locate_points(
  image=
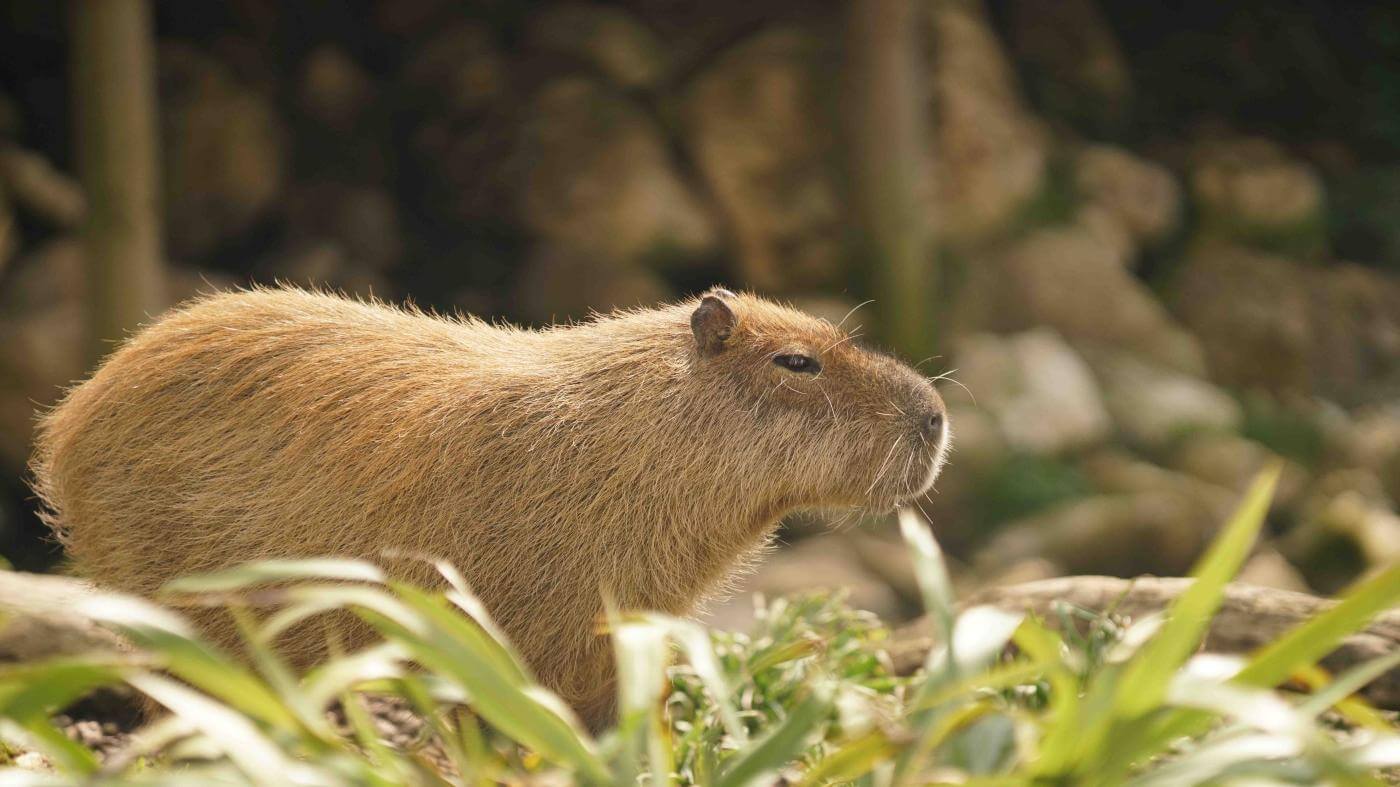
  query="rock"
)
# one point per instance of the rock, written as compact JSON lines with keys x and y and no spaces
{"x":35,"y":185}
{"x":1250,"y":190}
{"x":33,"y":761}
{"x":1072,"y":61}
{"x":1161,"y":531}
{"x":333,"y":88}
{"x":1375,"y":444}
{"x":1346,"y":525}
{"x":362,"y":221}
{"x":1141,"y":196}
{"x":1285,"y":326}
{"x":1039,"y":391}
{"x":1362,"y":203}
{"x":990,"y":152}
{"x":559,"y":285}
{"x":1232,"y":462}
{"x":1068,"y":280}
{"x":1267,"y":568}
{"x":1153,"y":405}
{"x":606,"y":37}
{"x":976,"y":434}
{"x":222,"y":151}
{"x":767,"y":152}
{"x":1252,"y":314}
{"x":324,"y":264}
{"x":1352,"y":505}
{"x":460,"y":67}
{"x":1114,"y":471}
{"x":818,"y":563}
{"x":596,"y":178}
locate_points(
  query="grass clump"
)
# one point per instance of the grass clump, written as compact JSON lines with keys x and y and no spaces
{"x":808,"y":697}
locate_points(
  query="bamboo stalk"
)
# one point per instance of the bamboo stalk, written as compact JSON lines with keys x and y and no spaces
{"x":113,"y":72}
{"x":887,"y":154}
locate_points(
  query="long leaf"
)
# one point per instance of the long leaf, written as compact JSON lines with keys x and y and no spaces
{"x":496,"y":693}
{"x":1150,"y":670}
{"x":265,"y":571}
{"x":1320,"y":635}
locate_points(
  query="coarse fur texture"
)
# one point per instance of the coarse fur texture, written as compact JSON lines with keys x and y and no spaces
{"x":642,"y":454}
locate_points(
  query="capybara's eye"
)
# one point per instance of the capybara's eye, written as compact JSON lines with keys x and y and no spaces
{"x":798,"y":363}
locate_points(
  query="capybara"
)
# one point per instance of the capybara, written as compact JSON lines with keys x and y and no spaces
{"x":641,"y":455}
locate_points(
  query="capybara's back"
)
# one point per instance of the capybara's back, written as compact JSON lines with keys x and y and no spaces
{"x":639,"y":455}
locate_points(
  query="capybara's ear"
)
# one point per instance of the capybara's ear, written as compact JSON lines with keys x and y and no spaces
{"x":713,"y":324}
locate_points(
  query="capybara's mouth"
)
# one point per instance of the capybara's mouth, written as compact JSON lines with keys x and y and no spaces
{"x":927,"y":465}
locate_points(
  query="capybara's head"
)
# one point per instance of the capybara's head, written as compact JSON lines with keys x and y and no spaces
{"x":852,"y":426}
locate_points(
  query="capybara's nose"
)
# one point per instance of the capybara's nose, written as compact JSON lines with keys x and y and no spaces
{"x":931,"y":426}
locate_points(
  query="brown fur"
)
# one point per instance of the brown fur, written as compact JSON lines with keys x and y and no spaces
{"x":633,"y":454}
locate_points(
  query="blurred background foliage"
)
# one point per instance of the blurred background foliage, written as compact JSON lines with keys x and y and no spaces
{"x":1157,"y":242}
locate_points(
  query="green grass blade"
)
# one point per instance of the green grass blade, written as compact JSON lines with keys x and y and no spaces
{"x":467,"y":632}
{"x":931,"y":571}
{"x":1320,"y":635}
{"x":170,"y":639}
{"x":1145,"y":683}
{"x":496,"y":693}
{"x":695,"y":643}
{"x":233,"y":733}
{"x":764,"y":757}
{"x":1348,"y":683}
{"x":329,"y":680}
{"x":853,"y":760}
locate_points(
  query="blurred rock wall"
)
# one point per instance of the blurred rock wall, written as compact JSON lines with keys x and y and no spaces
{"x":1154,"y":282}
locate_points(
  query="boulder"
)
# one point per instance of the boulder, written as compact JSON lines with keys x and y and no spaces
{"x":42,"y":190}
{"x":606,"y":37}
{"x":324,"y":264}
{"x":362,"y":220}
{"x":1286,"y":326}
{"x":1067,"y":279}
{"x":557,"y":285}
{"x":1153,"y":405}
{"x":460,"y":68}
{"x":1250,"y":190}
{"x":223,"y":151}
{"x":1037,"y":388}
{"x":333,"y":88}
{"x":596,"y":177}
{"x":989,"y":150}
{"x":1268,"y":568}
{"x":1230,"y":461}
{"x":1157,"y":531}
{"x":1375,"y":444}
{"x":755,"y":129}
{"x":1141,"y":196}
